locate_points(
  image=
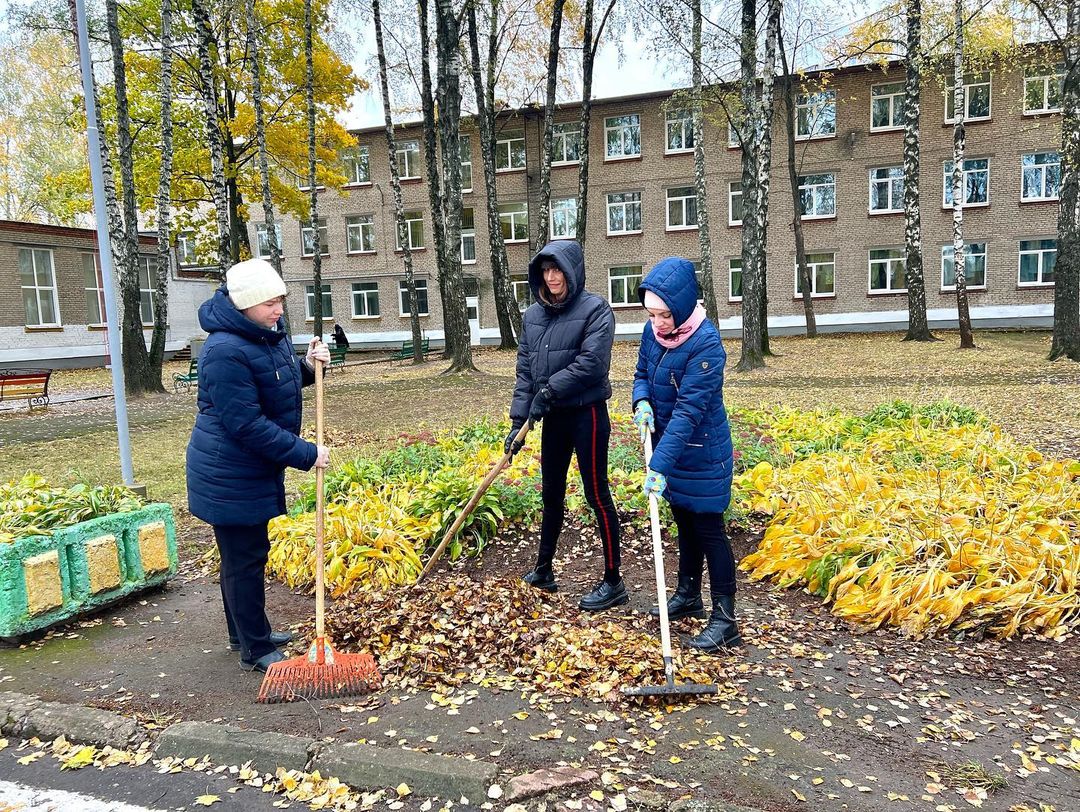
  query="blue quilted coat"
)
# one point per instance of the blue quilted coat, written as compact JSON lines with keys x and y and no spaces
{"x":246,"y":431}
{"x":692,"y":443}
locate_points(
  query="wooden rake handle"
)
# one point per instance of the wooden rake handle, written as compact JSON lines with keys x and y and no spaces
{"x":480,"y":491}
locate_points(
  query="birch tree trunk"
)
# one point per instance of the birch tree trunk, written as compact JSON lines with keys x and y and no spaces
{"x":215,"y":138}
{"x":763,"y":141}
{"x":590,"y":42}
{"x":395,"y":185}
{"x":506,"y":307}
{"x":918,"y":327}
{"x":164,"y":197}
{"x":542,"y":229}
{"x":1065,"y":342}
{"x":962,"y":313}
{"x":708,"y":289}
{"x":313,"y":218}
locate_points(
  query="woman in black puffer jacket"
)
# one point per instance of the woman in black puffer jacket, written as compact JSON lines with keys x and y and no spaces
{"x":564,"y":355}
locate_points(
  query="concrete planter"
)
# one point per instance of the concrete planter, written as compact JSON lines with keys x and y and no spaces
{"x":45,"y":580}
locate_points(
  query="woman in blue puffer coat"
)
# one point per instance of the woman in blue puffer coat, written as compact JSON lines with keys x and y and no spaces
{"x":246,"y":434}
{"x":678,"y":394}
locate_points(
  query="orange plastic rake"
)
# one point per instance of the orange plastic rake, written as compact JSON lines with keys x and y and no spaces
{"x":322,"y":673}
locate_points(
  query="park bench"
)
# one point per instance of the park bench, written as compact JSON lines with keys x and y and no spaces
{"x":32,"y":384}
{"x":184,"y":380}
{"x":406,"y":351}
{"x":337,"y":358}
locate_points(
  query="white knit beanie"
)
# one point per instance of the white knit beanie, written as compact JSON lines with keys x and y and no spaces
{"x":654,"y":302}
{"x":253,"y":282}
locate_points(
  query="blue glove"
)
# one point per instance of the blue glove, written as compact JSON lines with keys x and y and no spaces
{"x":644,"y":419}
{"x":655,"y":483}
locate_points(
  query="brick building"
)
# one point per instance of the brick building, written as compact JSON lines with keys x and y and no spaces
{"x":642,"y":207}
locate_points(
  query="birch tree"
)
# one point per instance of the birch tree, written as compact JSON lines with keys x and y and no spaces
{"x":541,"y":235}
{"x":763,"y":146}
{"x":958,"y":191}
{"x":164,"y":201}
{"x":708,"y":291}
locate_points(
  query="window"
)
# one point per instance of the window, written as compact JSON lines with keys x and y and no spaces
{"x":408,"y":160}
{"x":514,"y":219}
{"x":975,"y":182}
{"x":734,"y":197}
{"x":1037,"y":261}
{"x":360,"y":233}
{"x":624,"y":213}
{"x":185,"y":248}
{"x":697,"y":279}
{"x":887,"y":269}
{"x":822,"y":268}
{"x":976,"y":97}
{"x":468,"y":237}
{"x":307,"y":239}
{"x":262,"y":244}
{"x":522,"y":292}
{"x":622,"y":137}
{"x":365,"y":300}
{"x":887,"y":189}
{"x":815,"y":114}
{"x":465,"y":150}
{"x":1043,"y":89}
{"x":974,"y":266}
{"x":732,"y":136}
{"x":414,"y":225}
{"x":887,"y":106}
{"x":681,"y":208}
{"x":356,"y":165}
{"x":147,"y":288}
{"x":95,"y":290}
{"x":680,"y":131}
{"x":38,"y":287}
{"x":623,"y":281}
{"x":309,"y":302}
{"x":472,"y":298}
{"x":564,"y":219}
{"x":735,"y":279}
{"x":1041,"y":176}
{"x":817,"y":195}
{"x":510,"y":152}
{"x":421,"y":297}
{"x":566,"y":143}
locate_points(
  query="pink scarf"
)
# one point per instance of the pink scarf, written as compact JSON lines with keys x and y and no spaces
{"x":683,"y":331}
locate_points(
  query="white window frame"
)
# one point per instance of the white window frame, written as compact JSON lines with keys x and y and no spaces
{"x":97,"y":291}
{"x":967,"y":254}
{"x":352,"y":164}
{"x":683,"y":121}
{"x":685,"y":208}
{"x":402,"y":152}
{"x":358,"y":224}
{"x":185,"y":247}
{"x":895,"y":102}
{"x":624,"y":278}
{"x":563,"y":135}
{"x":971,"y":81}
{"x":733,"y":136}
{"x":946,"y":174}
{"x":814,"y":189}
{"x":365,"y":295}
{"x":324,"y":242}
{"x":888,"y":263}
{"x":505,"y":144}
{"x":411,"y":219}
{"x":731,"y":278}
{"x":468,"y":234}
{"x":260,"y":235}
{"x":465,"y":150}
{"x":309,"y":302}
{"x":624,"y":138}
{"x":515,"y":217}
{"x":1045,"y":80}
{"x":812,"y":267}
{"x":1041,"y":169}
{"x":567,"y":207}
{"x":403,"y":298}
{"x":895,"y":206}
{"x":734,"y":191}
{"x":39,"y":288}
{"x":519,"y":283}
{"x":1041,"y":253}
{"x":812,"y":104}
{"x":147,"y":288}
{"x":626,"y":206}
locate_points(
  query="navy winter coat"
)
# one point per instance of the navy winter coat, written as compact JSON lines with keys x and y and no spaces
{"x":692,"y":443}
{"x":565,"y":346}
{"x":246,"y":432}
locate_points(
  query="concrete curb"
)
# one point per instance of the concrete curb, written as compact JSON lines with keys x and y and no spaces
{"x":223,"y":744}
{"x":26,"y":715}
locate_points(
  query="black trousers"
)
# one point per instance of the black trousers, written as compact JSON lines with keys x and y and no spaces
{"x":703,"y":539}
{"x":586,"y":432}
{"x":244,"y":550}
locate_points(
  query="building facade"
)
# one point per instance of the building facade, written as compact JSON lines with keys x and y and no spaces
{"x":643,"y":207}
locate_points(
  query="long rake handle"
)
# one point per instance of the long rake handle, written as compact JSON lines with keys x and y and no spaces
{"x":320,"y":518}
{"x":661,"y":582}
{"x":480,"y":491}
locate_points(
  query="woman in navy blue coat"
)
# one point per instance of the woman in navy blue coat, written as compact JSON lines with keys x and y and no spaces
{"x":246,"y":434}
{"x":678,"y":393}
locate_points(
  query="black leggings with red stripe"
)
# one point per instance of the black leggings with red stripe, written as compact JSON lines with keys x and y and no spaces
{"x":584,"y":431}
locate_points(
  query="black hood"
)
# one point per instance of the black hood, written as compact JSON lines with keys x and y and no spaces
{"x":571,"y":261}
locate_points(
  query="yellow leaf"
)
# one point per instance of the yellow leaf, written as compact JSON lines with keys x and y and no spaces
{"x":596,"y":795}
{"x":522,"y":715}
{"x":207,"y":800}
{"x":403,"y":790}
{"x":31,"y":758}
{"x":81,"y":759}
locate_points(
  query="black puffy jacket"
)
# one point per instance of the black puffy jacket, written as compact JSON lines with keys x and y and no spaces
{"x":564,"y":346}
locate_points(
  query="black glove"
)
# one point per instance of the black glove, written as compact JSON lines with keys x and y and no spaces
{"x":541,"y":404}
{"x":512,"y":445}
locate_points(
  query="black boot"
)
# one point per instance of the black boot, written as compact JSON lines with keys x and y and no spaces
{"x":686,"y":602}
{"x":604,"y":596}
{"x":721,"y":631}
{"x":541,"y":577}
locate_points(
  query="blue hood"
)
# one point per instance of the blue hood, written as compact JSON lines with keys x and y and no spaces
{"x":219,"y":315}
{"x":673,"y":280}
{"x":567,"y":255}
